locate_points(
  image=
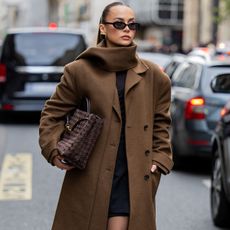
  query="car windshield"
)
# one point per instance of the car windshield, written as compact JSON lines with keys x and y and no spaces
{"x":38,"y":49}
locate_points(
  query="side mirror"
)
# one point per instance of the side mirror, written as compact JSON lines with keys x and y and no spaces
{"x":221,"y":84}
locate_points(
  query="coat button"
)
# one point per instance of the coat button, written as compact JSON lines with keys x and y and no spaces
{"x":146,"y":127}
{"x":146,"y":177}
{"x":147,"y":152}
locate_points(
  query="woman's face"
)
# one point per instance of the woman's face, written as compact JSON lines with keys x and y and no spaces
{"x":118,"y":37}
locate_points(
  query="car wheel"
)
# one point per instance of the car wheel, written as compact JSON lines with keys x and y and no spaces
{"x":220,"y":207}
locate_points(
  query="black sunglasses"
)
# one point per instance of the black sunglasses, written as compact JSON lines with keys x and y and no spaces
{"x":122,"y":25}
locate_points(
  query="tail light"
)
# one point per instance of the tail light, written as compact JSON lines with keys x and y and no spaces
{"x":223,"y":112}
{"x":195,"y":108}
{"x":7,"y":107}
{"x":53,"y":26}
{"x":2,"y":73}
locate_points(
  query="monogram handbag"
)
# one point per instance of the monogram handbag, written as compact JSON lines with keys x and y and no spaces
{"x":82,"y":130}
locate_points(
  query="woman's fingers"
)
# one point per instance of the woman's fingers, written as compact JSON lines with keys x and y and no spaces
{"x":153,"y":168}
{"x":58,"y":163}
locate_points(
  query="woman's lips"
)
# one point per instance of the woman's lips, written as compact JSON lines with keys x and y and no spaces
{"x":126,"y":37}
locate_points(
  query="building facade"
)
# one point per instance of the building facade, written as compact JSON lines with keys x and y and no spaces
{"x":22,"y":13}
{"x":198,"y":23}
{"x":167,"y":25}
{"x":162,"y":22}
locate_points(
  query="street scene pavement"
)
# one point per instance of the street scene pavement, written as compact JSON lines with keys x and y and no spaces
{"x":182,"y":199}
{"x":188,"y":40}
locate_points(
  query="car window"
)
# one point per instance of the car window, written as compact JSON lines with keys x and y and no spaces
{"x":187,"y":76}
{"x":170,"y":68}
{"x":210,"y":74}
{"x":221,"y":83}
{"x":43,"y":48}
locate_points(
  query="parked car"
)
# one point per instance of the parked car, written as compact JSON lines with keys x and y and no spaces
{"x":158,"y":58}
{"x":32,"y":62}
{"x":220,"y":179}
{"x":196,"y":105}
{"x":175,"y":61}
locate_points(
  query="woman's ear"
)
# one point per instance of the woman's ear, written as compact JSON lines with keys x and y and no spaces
{"x":102,"y":29}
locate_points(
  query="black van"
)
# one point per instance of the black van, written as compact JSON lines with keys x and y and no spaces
{"x":31,"y":64}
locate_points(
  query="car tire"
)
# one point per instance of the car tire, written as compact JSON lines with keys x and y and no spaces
{"x":220,"y":207}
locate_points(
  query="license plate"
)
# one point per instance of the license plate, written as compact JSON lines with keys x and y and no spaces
{"x":40,"y":88}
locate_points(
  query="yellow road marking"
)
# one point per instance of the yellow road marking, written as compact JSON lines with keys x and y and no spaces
{"x":16,"y":177}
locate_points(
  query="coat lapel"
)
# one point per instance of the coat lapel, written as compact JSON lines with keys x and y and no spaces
{"x":116,"y":104}
{"x":132,"y":79}
{"x":133,"y":75}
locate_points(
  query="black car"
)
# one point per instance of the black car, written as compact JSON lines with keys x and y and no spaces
{"x":196,"y":105}
{"x":31,"y":64}
{"x":220,"y":180}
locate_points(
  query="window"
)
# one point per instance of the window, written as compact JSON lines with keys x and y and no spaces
{"x":170,"y":69}
{"x":187,"y":76}
{"x":171,"y":9}
{"x":43,"y":49}
{"x":221,"y":83}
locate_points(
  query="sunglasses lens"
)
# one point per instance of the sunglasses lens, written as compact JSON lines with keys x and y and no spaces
{"x":119,"y":25}
{"x":133,"y":26}
{"x":122,"y":25}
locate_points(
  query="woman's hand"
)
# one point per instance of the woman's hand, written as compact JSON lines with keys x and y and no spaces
{"x":58,"y":163}
{"x":153,"y":168}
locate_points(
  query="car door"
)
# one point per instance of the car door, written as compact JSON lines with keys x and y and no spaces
{"x":215,"y":99}
{"x":185,"y":86}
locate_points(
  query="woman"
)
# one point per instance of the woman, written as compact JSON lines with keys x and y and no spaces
{"x":117,"y":189}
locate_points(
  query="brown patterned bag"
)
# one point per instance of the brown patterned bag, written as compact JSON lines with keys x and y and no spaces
{"x":77,"y":142}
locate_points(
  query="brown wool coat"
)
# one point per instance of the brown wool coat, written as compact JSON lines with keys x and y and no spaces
{"x":84,"y":199}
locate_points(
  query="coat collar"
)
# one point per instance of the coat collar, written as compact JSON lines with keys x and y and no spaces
{"x":141,"y":67}
{"x":115,"y":58}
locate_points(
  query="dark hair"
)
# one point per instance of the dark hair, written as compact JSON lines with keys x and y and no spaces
{"x":105,"y":12}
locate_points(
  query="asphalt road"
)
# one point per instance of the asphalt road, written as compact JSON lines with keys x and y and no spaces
{"x":183,"y":201}
{"x":182,"y":198}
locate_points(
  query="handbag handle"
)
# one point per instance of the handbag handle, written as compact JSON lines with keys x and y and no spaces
{"x":87,"y":104}
{"x":67,"y":125}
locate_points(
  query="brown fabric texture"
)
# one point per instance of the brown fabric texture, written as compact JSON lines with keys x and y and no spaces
{"x":111,"y":59}
{"x":85,"y":194}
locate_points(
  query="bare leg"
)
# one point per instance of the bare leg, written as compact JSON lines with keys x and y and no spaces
{"x":118,"y":223}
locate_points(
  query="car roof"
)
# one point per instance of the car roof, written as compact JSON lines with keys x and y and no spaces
{"x":58,"y":30}
{"x":44,"y":30}
{"x":208,"y":61}
{"x":160,"y":59}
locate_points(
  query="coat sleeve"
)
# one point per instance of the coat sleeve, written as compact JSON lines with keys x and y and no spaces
{"x":65,"y":98}
{"x":162,"y":151}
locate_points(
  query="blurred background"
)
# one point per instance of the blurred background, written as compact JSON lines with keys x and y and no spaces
{"x":168,"y":25}
{"x":188,"y":39}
